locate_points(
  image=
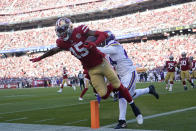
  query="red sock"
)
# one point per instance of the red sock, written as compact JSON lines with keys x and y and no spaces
{"x":61,"y":86}
{"x":109,"y":90}
{"x":125,"y":93}
{"x":184,"y":83}
{"x":69,"y":85}
{"x":83,"y":92}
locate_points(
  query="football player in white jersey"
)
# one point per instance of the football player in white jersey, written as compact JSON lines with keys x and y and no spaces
{"x":127,"y":74}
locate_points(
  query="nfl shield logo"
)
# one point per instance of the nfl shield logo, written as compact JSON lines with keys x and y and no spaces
{"x":78,"y":36}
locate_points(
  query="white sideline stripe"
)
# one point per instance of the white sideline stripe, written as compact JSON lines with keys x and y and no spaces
{"x":45,"y":108}
{"x":38,"y":127}
{"x":45,"y":120}
{"x":5,"y":104}
{"x":18,"y":95}
{"x":76,"y":121}
{"x":156,"y":115}
{"x":17,"y":119}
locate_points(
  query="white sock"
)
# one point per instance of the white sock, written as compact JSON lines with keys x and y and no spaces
{"x":122,"y":109}
{"x":140,"y":92}
{"x":171,"y":85}
{"x":74,"y":88}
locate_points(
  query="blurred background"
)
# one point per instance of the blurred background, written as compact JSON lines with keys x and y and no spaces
{"x":150,"y":31}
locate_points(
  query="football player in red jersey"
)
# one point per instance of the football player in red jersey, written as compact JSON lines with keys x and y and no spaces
{"x":193,"y":69}
{"x":74,"y":40}
{"x":170,"y":66}
{"x":65,"y":80}
{"x":87,"y":82}
{"x":185,"y":66}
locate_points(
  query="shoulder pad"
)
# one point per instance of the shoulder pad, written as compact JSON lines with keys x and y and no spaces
{"x":112,"y":43}
{"x":84,"y":28}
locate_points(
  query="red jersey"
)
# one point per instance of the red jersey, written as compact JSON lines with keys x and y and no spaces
{"x":170,"y":65}
{"x":193,"y":64}
{"x":65,"y":74}
{"x":75,"y":44}
{"x":184,"y":64}
{"x":86,"y":75}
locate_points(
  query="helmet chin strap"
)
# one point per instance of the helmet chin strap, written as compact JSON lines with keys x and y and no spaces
{"x":68,"y":35}
{"x":66,"y":38}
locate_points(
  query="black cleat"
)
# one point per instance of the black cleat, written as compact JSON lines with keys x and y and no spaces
{"x":193,"y":86}
{"x":121,"y":124}
{"x":153,"y":91}
{"x":185,"y":88}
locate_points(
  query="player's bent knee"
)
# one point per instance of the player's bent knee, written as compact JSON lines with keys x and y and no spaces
{"x":116,"y":85}
{"x":101,"y":93}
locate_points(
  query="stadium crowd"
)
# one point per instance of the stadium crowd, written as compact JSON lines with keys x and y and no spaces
{"x":178,"y":15}
{"x":29,"y":10}
{"x":150,"y":54}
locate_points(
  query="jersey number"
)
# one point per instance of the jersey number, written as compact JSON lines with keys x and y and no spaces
{"x":80,"y":52}
{"x":183,"y":63}
{"x":170,"y":66}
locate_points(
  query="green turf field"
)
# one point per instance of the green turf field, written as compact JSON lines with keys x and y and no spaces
{"x":46,"y":106}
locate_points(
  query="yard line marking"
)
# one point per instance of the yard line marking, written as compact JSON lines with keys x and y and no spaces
{"x":155,"y":115}
{"x":76,"y":121}
{"x":45,"y":120}
{"x":45,"y":108}
{"x":17,"y":95}
{"x":5,"y":104}
{"x":17,"y":119}
{"x":38,"y":127}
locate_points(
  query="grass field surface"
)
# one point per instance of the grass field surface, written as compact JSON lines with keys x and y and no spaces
{"x":174,"y":110}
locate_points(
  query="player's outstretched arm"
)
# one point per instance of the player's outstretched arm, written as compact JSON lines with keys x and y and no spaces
{"x":101,"y":36}
{"x":47,"y":54}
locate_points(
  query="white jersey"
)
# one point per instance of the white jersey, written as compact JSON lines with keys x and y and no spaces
{"x":118,"y":58}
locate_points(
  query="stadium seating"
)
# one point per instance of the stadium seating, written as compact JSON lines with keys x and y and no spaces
{"x":150,"y":54}
{"x":25,"y":10}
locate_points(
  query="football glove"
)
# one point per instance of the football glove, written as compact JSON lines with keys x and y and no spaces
{"x":89,"y":45}
{"x":35,"y":59}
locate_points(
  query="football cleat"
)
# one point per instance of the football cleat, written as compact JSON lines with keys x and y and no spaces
{"x":98,"y":98}
{"x":80,"y":99}
{"x":170,"y":89}
{"x":185,"y":88}
{"x":139,"y":119}
{"x":121,"y":124}
{"x":192,"y":85}
{"x":60,"y":90}
{"x":153,"y":91}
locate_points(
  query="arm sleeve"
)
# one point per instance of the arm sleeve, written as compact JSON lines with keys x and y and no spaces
{"x":101,"y":37}
{"x":107,"y":50}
